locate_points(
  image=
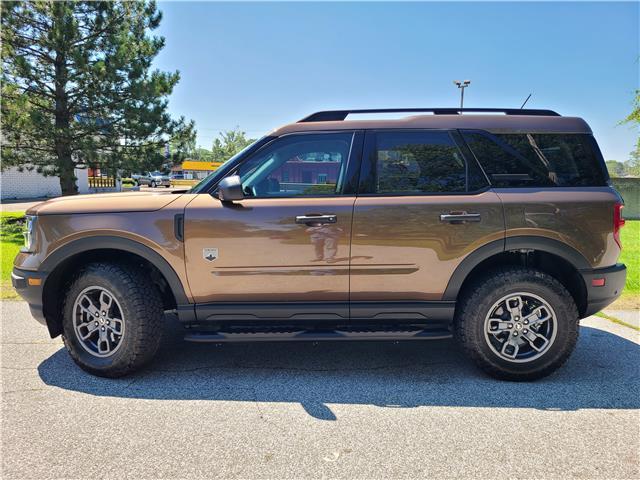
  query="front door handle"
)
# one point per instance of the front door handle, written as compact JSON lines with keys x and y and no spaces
{"x":460,"y":217}
{"x":316,"y":219}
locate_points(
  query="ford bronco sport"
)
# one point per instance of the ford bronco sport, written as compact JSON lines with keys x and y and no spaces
{"x":497,"y":226}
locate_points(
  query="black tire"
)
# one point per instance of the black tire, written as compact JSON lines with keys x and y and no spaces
{"x":476,"y":303}
{"x":153,"y":184}
{"x":167,"y":186}
{"x":142,"y":312}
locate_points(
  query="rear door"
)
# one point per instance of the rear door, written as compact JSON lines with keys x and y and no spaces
{"x":552,"y":185}
{"x":422,"y":207}
{"x":283,"y":251}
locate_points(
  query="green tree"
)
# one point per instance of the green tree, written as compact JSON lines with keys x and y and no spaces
{"x":229,"y":143}
{"x":77,"y":86}
{"x":202,"y":154}
{"x":181,"y":147}
{"x":633,"y":167}
{"x":616,"y":169}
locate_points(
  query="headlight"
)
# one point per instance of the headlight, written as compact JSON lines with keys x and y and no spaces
{"x":29,"y":233}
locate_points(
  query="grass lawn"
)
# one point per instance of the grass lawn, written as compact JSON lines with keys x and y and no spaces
{"x":10,"y":242}
{"x":630,"y":236}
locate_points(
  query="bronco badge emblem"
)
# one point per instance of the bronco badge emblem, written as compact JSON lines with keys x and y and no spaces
{"x":210,"y":254}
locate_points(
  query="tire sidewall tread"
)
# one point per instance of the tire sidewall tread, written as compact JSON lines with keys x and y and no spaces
{"x":485,"y":291}
{"x":142,"y":310}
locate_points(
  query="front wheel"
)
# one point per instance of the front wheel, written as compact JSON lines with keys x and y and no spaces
{"x":153,"y":184}
{"x":112,"y":321}
{"x":517,"y":323}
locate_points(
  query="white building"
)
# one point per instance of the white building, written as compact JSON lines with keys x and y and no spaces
{"x":16,"y":184}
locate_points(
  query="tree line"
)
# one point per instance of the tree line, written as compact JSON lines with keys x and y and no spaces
{"x":224,"y":147}
{"x":632,"y":166}
{"x":78,"y":88}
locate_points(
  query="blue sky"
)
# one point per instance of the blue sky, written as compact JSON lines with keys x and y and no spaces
{"x":259,"y":65}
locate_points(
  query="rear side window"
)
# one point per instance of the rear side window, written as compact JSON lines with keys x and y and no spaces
{"x":418,"y":162}
{"x":537,"y":159}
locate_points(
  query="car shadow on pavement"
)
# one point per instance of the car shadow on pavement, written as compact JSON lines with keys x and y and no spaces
{"x":603,"y":373}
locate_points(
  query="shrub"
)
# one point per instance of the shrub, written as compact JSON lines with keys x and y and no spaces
{"x":12,"y":226}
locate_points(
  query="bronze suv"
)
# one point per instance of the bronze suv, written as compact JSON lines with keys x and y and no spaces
{"x":497,"y":226}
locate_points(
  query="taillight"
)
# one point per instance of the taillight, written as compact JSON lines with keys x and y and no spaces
{"x":618,"y":222}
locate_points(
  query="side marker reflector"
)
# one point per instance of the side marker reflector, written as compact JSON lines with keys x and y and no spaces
{"x":34,"y":282}
{"x":598,"y":282}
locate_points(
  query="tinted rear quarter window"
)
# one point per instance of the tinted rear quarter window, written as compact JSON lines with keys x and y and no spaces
{"x":418,"y":162}
{"x":537,"y":159}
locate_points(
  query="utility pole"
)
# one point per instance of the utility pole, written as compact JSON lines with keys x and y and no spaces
{"x":462,"y":85}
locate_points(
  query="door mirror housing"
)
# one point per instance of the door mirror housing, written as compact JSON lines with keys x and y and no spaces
{"x":230,"y":189}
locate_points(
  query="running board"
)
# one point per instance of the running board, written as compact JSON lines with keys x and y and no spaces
{"x":317,"y":336}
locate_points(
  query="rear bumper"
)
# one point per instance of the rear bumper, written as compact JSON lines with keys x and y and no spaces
{"x":29,"y":286}
{"x":598,"y":297}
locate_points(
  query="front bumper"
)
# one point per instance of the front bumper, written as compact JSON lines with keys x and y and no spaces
{"x":598,"y":297}
{"x":29,"y":285}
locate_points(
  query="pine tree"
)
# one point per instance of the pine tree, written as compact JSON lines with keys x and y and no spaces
{"x":77,"y":86}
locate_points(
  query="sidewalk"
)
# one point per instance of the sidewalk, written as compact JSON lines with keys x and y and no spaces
{"x":20,"y":205}
{"x":630,"y":317}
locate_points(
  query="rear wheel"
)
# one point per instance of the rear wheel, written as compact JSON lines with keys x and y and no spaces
{"x":517,"y":323}
{"x":112,"y":321}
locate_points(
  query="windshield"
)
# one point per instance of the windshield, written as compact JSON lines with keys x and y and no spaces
{"x":156,"y":174}
{"x":222,"y":170}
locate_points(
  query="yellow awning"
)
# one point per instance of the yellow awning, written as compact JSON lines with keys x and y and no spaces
{"x":202,"y":166}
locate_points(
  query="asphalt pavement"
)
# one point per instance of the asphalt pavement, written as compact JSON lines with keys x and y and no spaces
{"x":332,"y":410}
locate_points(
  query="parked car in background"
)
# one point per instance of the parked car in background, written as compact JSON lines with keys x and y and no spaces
{"x":500,"y":229}
{"x":177,"y":176}
{"x":155,"y":179}
{"x":136,"y":177}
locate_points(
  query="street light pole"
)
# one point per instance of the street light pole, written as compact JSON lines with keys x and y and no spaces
{"x":462,"y":85}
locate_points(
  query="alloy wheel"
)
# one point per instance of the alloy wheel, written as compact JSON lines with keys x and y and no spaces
{"x":520,"y":327}
{"x":98,"y":321}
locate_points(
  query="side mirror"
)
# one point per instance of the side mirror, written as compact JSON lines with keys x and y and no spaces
{"x":230,"y":189}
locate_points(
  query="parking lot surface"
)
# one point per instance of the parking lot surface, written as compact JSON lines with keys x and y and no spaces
{"x":338,"y":410}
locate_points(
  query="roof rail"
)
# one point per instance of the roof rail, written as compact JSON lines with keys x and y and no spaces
{"x":340,"y":115}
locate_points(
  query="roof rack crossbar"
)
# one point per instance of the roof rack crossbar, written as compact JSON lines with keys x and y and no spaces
{"x":340,"y":115}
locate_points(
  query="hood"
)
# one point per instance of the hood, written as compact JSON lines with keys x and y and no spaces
{"x":105,"y":203}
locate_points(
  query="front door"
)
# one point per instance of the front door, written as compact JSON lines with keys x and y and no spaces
{"x":283,"y":251}
{"x":421,"y":209}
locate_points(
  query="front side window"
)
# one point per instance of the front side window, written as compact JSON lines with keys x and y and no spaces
{"x":298,"y":165}
{"x":537,"y":159}
{"x":227,"y":165}
{"x":418,"y":162}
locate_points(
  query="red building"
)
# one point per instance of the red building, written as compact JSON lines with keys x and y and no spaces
{"x":307,"y":172}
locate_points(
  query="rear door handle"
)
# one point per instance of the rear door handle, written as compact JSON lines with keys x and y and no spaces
{"x":460,"y":217}
{"x":316,"y":219}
